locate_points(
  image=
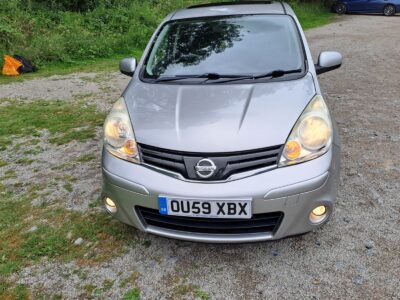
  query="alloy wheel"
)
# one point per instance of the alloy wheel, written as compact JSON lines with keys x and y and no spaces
{"x":340,"y":9}
{"x":389,"y":10}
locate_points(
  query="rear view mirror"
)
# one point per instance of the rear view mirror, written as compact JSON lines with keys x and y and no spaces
{"x":328,"y":61}
{"x":127,"y":66}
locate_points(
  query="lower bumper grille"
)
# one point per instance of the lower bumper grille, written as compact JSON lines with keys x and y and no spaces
{"x":259,"y":223}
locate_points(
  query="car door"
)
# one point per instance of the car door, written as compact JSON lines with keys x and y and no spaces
{"x":377,"y":6}
{"x":360,"y":5}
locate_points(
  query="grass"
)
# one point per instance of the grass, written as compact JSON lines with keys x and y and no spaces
{"x":13,"y":291}
{"x":64,"y":68}
{"x":54,"y":38}
{"x":35,"y":151}
{"x":8,"y":175}
{"x":68,"y":187}
{"x":2,"y":163}
{"x":130,"y":280}
{"x":133,"y":294}
{"x":107,"y":284}
{"x":201,"y":294}
{"x":312,"y":14}
{"x":89,"y":288}
{"x":87,"y":158}
{"x":181,"y":289}
{"x":104,"y":237}
{"x":24,"y":161}
{"x":65,"y":121}
{"x":110,"y":34}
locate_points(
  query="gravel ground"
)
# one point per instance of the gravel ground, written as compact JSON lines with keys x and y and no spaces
{"x":356,"y":255}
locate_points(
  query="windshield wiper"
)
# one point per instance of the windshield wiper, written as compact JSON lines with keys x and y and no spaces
{"x":273,"y":74}
{"x":211,"y":76}
{"x":207,"y":76}
{"x":228,"y":78}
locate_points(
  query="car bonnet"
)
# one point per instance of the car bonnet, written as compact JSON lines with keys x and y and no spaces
{"x":214,"y":118}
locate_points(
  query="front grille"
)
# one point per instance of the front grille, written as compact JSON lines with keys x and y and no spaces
{"x":259,"y":223}
{"x":226,"y":164}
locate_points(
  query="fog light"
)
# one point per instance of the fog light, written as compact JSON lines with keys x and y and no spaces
{"x":319,"y":211}
{"x":319,"y":214}
{"x":110,"y":205}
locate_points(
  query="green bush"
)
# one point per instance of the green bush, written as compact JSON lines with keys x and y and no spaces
{"x":74,"y":30}
{"x":326,"y":3}
{"x":72,"y":5}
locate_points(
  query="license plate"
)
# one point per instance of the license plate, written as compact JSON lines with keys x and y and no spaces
{"x":206,"y":208}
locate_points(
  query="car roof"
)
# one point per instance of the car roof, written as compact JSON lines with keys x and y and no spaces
{"x":231,"y":8}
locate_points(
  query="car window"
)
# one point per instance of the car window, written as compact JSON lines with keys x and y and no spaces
{"x":248,"y":45}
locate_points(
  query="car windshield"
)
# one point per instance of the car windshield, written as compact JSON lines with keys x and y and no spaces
{"x":244,"y":45}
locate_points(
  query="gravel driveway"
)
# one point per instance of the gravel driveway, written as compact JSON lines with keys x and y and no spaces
{"x":356,"y":255}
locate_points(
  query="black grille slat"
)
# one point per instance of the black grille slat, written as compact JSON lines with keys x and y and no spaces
{"x":256,"y":217}
{"x":254,"y":156}
{"x":248,"y":164}
{"x":265,"y":223}
{"x":167,"y":163}
{"x":157,"y":154}
{"x":217,"y":225}
{"x":258,"y":158}
{"x":227,"y":163}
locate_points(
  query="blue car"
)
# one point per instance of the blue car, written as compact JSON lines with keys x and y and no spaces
{"x":386,"y":7}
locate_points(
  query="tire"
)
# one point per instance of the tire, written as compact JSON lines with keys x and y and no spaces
{"x":340,"y":8}
{"x":389,"y":10}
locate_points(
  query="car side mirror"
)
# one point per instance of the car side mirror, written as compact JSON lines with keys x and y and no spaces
{"x":328,"y":61}
{"x":127,"y":66}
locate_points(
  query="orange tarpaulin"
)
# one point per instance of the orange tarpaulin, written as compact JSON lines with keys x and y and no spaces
{"x":11,"y":66}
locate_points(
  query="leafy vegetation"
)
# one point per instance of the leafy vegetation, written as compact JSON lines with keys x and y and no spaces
{"x":95,"y":34}
{"x":66,"y":122}
{"x":24,"y":237}
{"x":2,"y":163}
{"x":9,"y":291}
{"x":312,"y":14}
{"x":22,"y":243}
{"x":133,"y":294}
{"x":201,"y":294}
{"x":55,"y":31}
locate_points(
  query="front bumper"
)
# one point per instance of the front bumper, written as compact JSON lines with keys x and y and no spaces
{"x":293,"y":190}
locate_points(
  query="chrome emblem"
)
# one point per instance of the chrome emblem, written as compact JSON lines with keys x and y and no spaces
{"x":205,"y":168}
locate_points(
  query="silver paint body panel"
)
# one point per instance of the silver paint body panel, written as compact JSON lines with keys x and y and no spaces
{"x":228,"y":10}
{"x":217,"y":118}
{"x":294,"y":190}
{"x":223,"y":118}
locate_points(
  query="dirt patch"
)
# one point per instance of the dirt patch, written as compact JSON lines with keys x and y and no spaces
{"x":69,"y":173}
{"x":101,"y":89}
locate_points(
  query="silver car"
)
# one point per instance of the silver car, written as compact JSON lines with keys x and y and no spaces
{"x":223,"y":134}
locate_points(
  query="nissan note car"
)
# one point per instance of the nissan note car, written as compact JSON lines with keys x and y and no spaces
{"x":223,"y":134}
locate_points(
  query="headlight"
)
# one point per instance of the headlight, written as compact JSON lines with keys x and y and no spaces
{"x":311,"y":137}
{"x":119,"y":139}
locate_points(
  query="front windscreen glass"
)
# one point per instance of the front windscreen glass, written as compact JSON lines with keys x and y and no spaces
{"x":245,"y":45}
